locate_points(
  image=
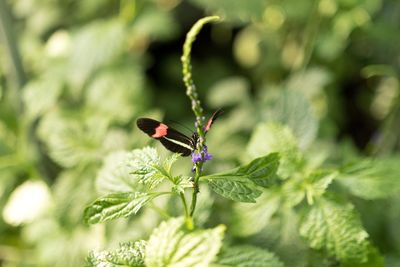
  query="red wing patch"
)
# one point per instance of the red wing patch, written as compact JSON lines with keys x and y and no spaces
{"x":208,"y":125}
{"x":161,"y":131}
{"x":212,"y":119}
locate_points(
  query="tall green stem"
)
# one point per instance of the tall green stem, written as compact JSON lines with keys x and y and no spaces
{"x":191,"y":92}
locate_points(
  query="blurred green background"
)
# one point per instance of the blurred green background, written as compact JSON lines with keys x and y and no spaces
{"x":75,"y":75}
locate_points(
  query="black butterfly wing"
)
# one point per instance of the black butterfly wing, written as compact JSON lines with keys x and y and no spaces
{"x":178,"y":142}
{"x":171,"y":139}
{"x":148,"y":126}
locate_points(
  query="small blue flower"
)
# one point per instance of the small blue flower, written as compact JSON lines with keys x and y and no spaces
{"x":196,"y":157}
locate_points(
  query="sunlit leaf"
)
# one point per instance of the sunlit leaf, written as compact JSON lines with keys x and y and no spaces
{"x":128,"y":254}
{"x":142,"y":165}
{"x":71,"y":142}
{"x":116,"y":205}
{"x":114,"y":175}
{"x":94,"y":45}
{"x":171,"y":245}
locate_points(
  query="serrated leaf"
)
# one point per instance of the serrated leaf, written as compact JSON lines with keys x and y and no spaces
{"x":271,"y":137}
{"x":337,"y":229}
{"x":128,"y":254}
{"x":240,"y":184}
{"x":169,"y":161}
{"x":262,"y":171}
{"x":114,"y":177}
{"x":116,"y":205}
{"x":142,"y":165}
{"x":171,"y":245}
{"x":237,"y":188}
{"x":247,"y":256}
{"x":372,"y":179}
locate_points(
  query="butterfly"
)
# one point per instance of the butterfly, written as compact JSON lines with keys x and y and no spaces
{"x":172,"y":139}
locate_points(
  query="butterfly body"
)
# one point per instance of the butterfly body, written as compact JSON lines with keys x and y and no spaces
{"x":172,"y":139}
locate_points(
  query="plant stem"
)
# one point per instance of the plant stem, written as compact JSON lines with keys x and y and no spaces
{"x":199,"y":165}
{"x":188,"y":217}
{"x":196,"y":105}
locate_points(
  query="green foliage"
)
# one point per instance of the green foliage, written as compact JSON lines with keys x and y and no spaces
{"x":170,"y":245}
{"x":259,"y":214}
{"x":372,"y":179}
{"x":292,"y":109}
{"x":271,"y":137}
{"x":107,"y":36}
{"x":240,"y":184}
{"x":142,"y":166}
{"x":131,"y":177}
{"x":114,"y":175}
{"x":336,"y":228}
{"x":75,"y":76}
{"x":116,"y":205}
{"x":128,"y":254}
{"x":246,"y":256}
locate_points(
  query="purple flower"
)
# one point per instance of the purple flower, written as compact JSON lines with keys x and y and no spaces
{"x":196,"y":157}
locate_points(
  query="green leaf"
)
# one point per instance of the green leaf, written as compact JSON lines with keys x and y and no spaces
{"x":154,"y":23}
{"x":372,"y":179}
{"x":70,"y":140}
{"x":249,"y":219}
{"x":317,"y":183}
{"x":293,"y":110}
{"x":142,"y":164}
{"x":128,"y":254}
{"x":241,"y":184}
{"x":180,"y":183}
{"x":95,"y":45}
{"x":114,"y":177}
{"x":337,"y":229}
{"x":247,"y":256}
{"x":41,"y":95}
{"x":169,"y":161}
{"x":237,"y":188}
{"x":122,"y":87}
{"x":262,"y":171}
{"x":171,"y":245}
{"x":116,"y":205}
{"x":271,"y":137}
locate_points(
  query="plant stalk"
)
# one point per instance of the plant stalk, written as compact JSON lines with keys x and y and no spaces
{"x":191,"y":92}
